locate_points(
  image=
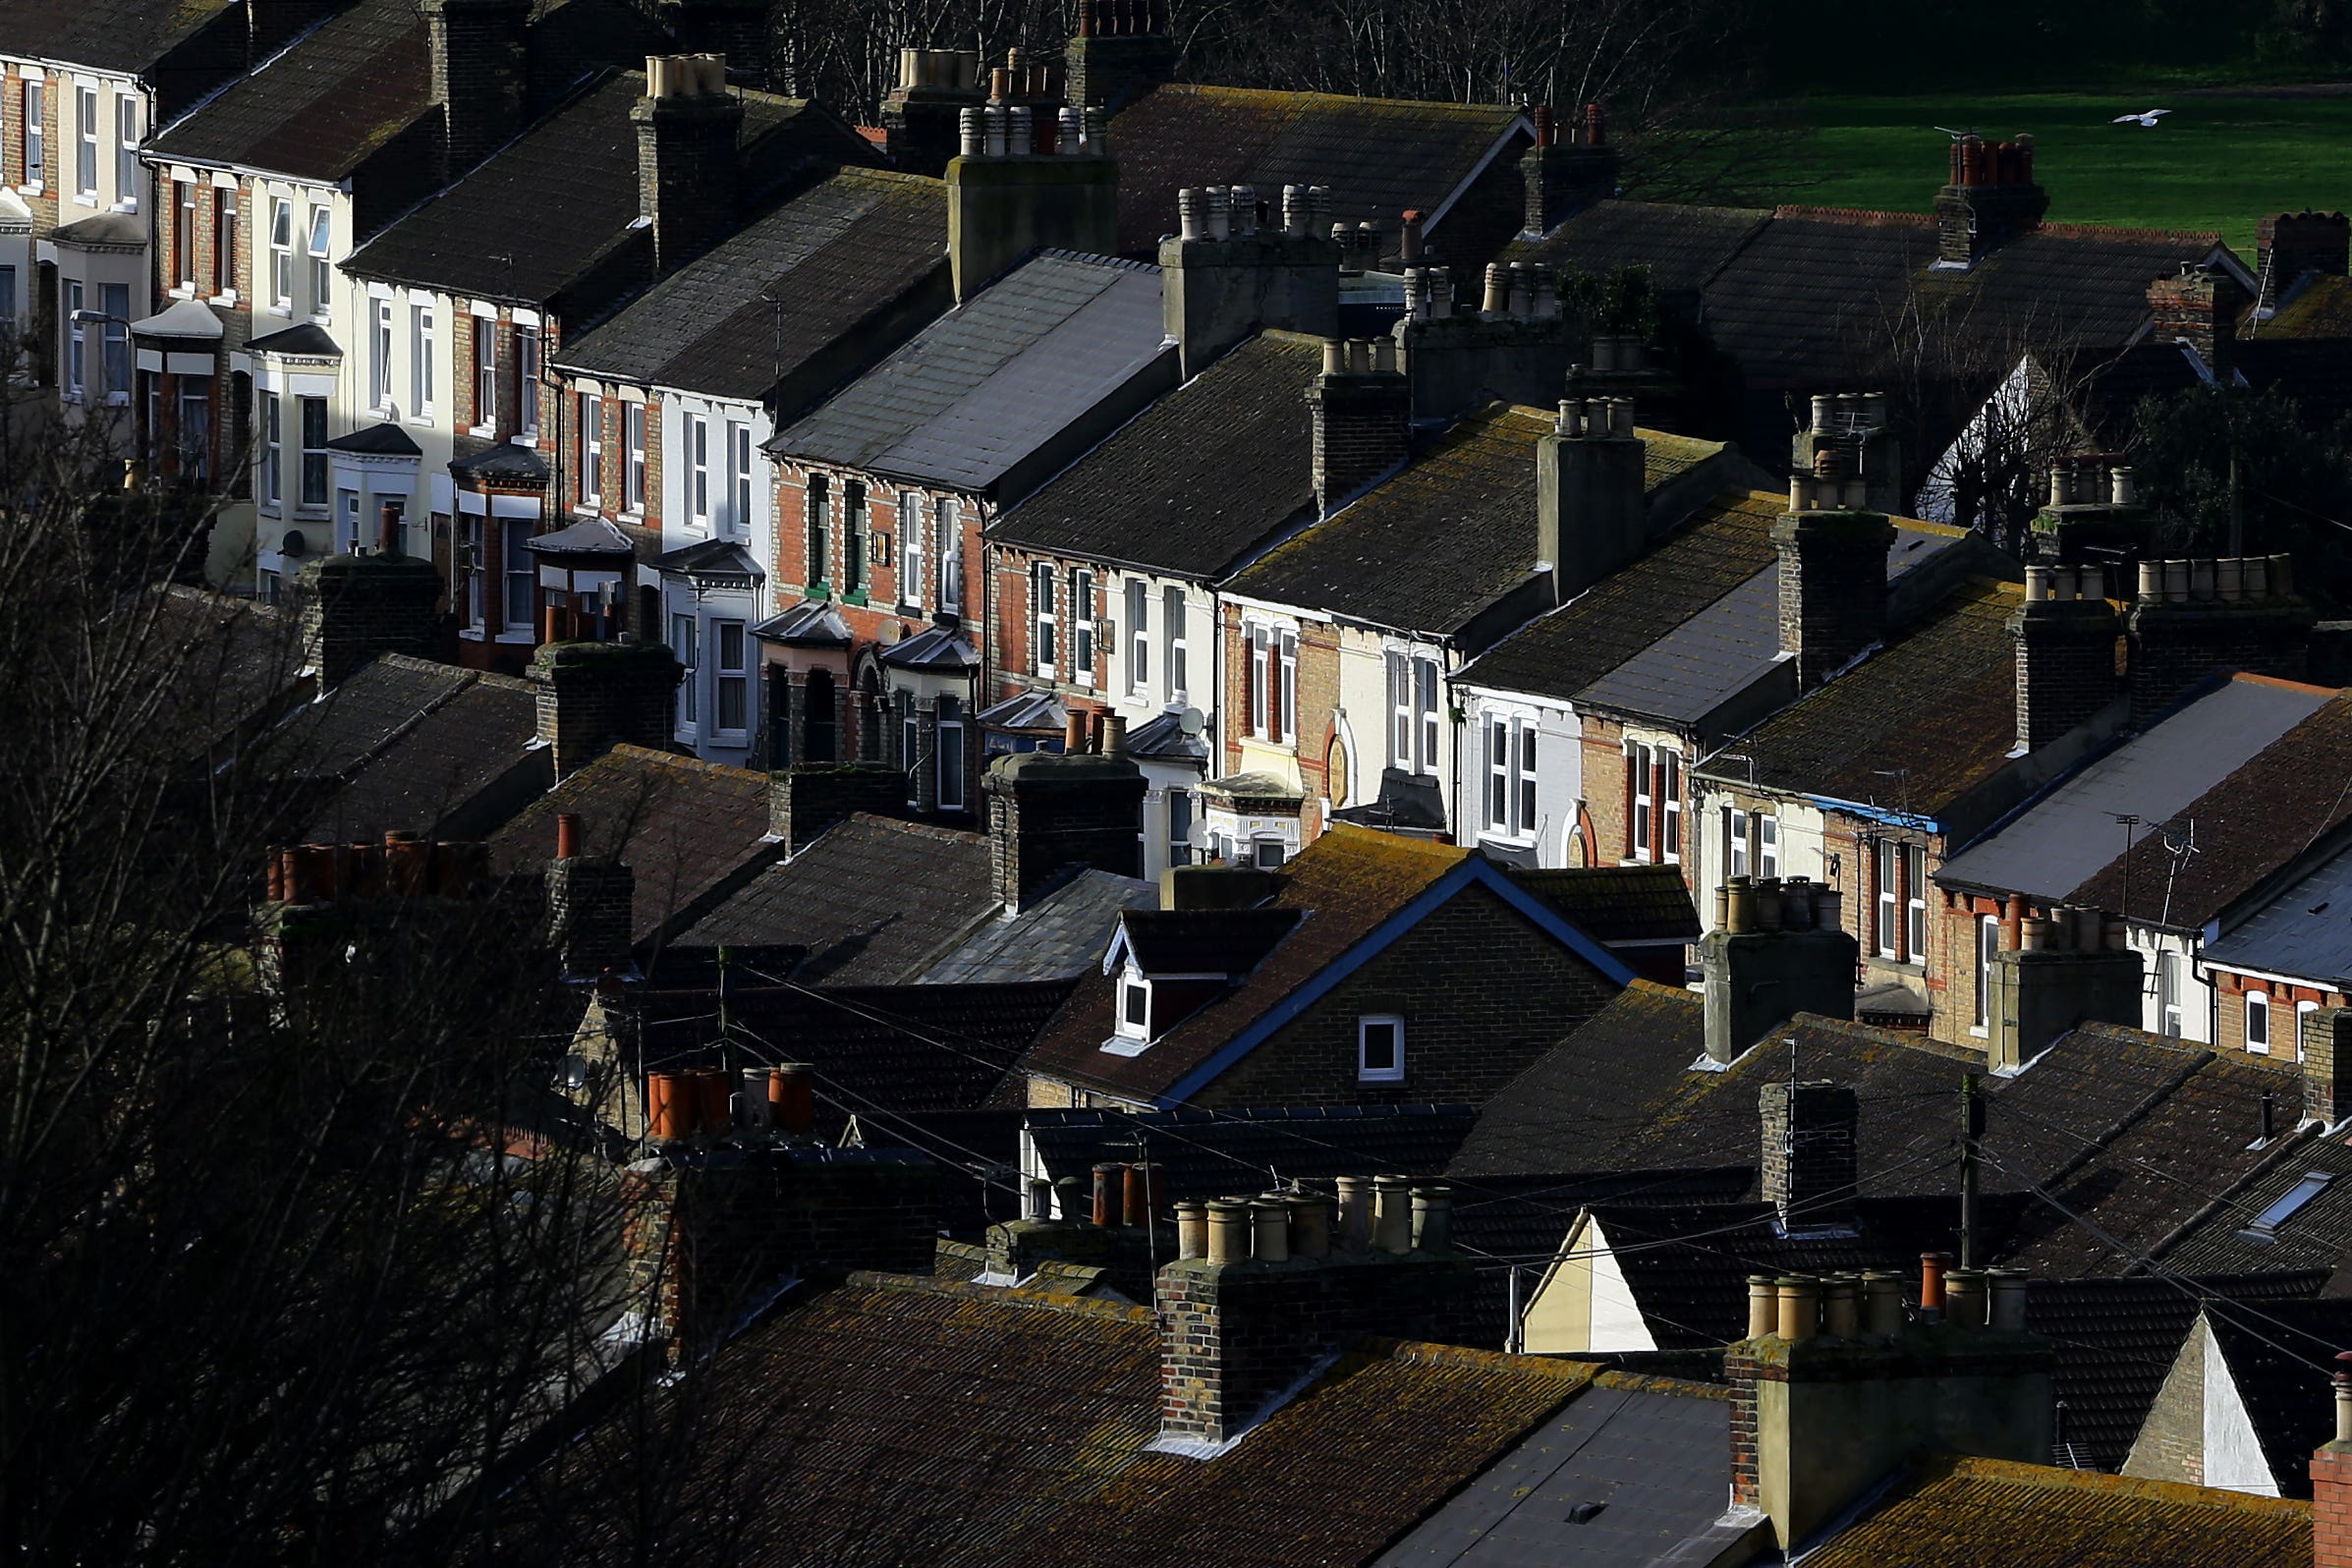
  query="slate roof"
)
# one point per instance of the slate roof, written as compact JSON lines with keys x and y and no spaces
{"x":2322,"y":307}
{"x":243,"y":657}
{"x":380,"y":439}
{"x":1059,"y":936}
{"x":1194,"y":483}
{"x":686,"y":827}
{"x":2038,"y":1516}
{"x":1379,"y":156}
{"x":1682,"y":245}
{"x":1560,"y":654}
{"x":1618,"y":903}
{"x":2280,"y":1356}
{"x":876,"y":1049}
{"x":1627,"y":1444}
{"x":2305,"y":932}
{"x":2279,"y":802}
{"x":2316,"y":1235}
{"x":568,"y":184}
{"x":124,"y":35}
{"x":2117,"y":1339}
{"x":874,"y":900}
{"x":1455,"y":530}
{"x":894,"y":1421}
{"x":809,"y":623}
{"x":1938,"y":706}
{"x":2061,"y":838}
{"x":988,"y":384}
{"x":1202,"y":941}
{"x":1564,"y":1111}
{"x":840,"y":255}
{"x":305,"y":340}
{"x":1204,"y":1154}
{"x":322,"y":107}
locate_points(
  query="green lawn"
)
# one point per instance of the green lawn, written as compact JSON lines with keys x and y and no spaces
{"x":2218,"y":161}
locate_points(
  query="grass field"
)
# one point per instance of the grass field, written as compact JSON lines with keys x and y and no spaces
{"x":2220,"y":160}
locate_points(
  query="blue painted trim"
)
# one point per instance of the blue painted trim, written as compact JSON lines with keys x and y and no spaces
{"x":1379,"y":941}
{"x":1875,"y":813}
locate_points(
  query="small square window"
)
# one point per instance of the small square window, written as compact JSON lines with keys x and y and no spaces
{"x":1268,"y":854}
{"x":1380,"y":1049}
{"x":1134,"y":1007}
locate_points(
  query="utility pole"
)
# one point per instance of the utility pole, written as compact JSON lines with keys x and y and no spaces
{"x":1972,"y":1127}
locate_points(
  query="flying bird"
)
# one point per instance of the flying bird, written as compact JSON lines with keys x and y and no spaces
{"x":2148,"y":118}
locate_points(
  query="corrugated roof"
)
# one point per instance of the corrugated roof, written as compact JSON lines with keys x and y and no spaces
{"x":2063,"y":837}
{"x":1197,"y":481}
{"x":836,"y":254}
{"x":989,"y":383}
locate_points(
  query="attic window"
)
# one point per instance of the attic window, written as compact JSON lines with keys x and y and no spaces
{"x":1135,"y":1006}
{"x":1380,"y":1049}
{"x":2287,"y":1206}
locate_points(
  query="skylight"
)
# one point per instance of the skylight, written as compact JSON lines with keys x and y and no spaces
{"x":2284,"y":1206}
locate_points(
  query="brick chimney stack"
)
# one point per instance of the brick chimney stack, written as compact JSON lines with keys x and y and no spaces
{"x":1224,"y":274}
{"x":803,"y":801}
{"x":1779,"y":948}
{"x":1811,"y":1168}
{"x":1123,"y":48}
{"x":1568,"y":168}
{"x":1851,"y":436}
{"x":687,"y":173}
{"x":1832,"y":575}
{"x":2289,"y":245}
{"x":2328,"y":1066}
{"x":478,"y":54}
{"x":1591,"y":508}
{"x":923,"y":117}
{"x":354,"y":607}
{"x":2198,"y":307}
{"x":591,"y":906}
{"x":1992,"y":199}
{"x":1028,"y":174}
{"x":1361,"y":411}
{"x":595,"y":695}
{"x":2067,"y":632}
{"x":2192,"y":617}
{"x":1049,"y":809}
{"x":2067,"y":969}
{"x":2331,"y":1479}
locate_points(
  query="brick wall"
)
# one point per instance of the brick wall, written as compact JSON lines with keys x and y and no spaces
{"x":590,"y":902}
{"x":2065,"y":665}
{"x":2171,"y":1441}
{"x":2331,"y":1506}
{"x":2175,"y":646}
{"x":43,"y":205}
{"x":2230,"y":1033}
{"x":592,"y":694}
{"x":1832,"y":588}
{"x":1809,"y":1151}
{"x":1482,"y":993}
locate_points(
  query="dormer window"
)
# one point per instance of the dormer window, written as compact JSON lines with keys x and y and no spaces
{"x":1135,"y":1006}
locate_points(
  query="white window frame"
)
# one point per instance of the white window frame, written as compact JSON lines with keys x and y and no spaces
{"x":1132,"y":988}
{"x":114,"y":344}
{"x":633,"y":438}
{"x":516,"y":566}
{"x":527,"y":381}
{"x":1083,"y":648}
{"x":1735,"y":841}
{"x":127,"y":136}
{"x":591,"y":489}
{"x":740,"y":471}
{"x":1640,"y":821}
{"x":1261,"y":685}
{"x":1043,"y":623}
{"x":421,"y":357}
{"x":2257,"y":1022}
{"x":947,"y":523}
{"x":1510,"y":747}
{"x":1173,"y":673}
{"x":1915,"y":904}
{"x":914,"y":553}
{"x":1886,"y":931}
{"x":685,"y":646}
{"x":86,"y":144}
{"x":1670,"y":806}
{"x":1286,"y":685}
{"x":696,"y":436}
{"x":273,"y":450}
{"x":1138,"y":636}
{"x":1768,"y":844}
{"x":315,"y":461}
{"x":1399,"y":676}
{"x":1181,"y":804}
{"x":379,"y":307}
{"x":1394,"y":1072}
{"x":485,"y":374}
{"x":2171,"y":1018}
{"x":34,"y":105}
{"x":1988,"y":946}
{"x":730,"y":676}
{"x":1429,"y":702}
{"x":472,"y":529}
{"x":281,"y":254}
{"x":321,"y":245}
{"x":2303,"y":1012}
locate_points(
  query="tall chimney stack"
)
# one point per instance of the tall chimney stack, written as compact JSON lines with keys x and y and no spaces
{"x":1992,"y":197}
{"x":687,"y":169}
{"x":594,"y":695}
{"x":1223,"y":274}
{"x":354,"y":607}
{"x":922,"y":118}
{"x":1026,"y":175}
{"x":2331,"y":1479}
{"x":476,"y":53}
{"x":1779,"y":948}
{"x":1361,"y":411}
{"x":2199,"y":306}
{"x":1568,"y":168}
{"x":1833,"y":577}
{"x":1049,"y":809}
{"x":1811,"y":1161}
{"x":1592,"y":506}
{"x":2289,"y":245}
{"x":2067,"y":632}
{"x":1123,"y":48}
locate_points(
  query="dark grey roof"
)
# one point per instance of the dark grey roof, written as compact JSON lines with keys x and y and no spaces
{"x":1197,"y":480}
{"x":503,"y":459}
{"x":309,"y":341}
{"x":1061,"y":934}
{"x":1163,"y":735}
{"x":126,"y":35}
{"x":381,"y":439}
{"x":838,"y":253}
{"x":1626,"y":1475}
{"x":991,"y":382}
{"x":713,"y":558}
{"x":1682,"y":245}
{"x":2061,"y":838}
{"x":875,"y":901}
{"x":1027,"y":711}
{"x":935,"y":648}
{"x":2316,"y":1234}
{"x":1405,"y":801}
{"x":1204,"y":1154}
{"x":590,"y":535}
{"x":1199,"y":941}
{"x":810,"y":623}
{"x":323,"y":105}
{"x":2305,"y":932}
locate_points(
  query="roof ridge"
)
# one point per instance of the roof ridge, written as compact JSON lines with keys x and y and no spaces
{"x":2105,"y":231}
{"x":1009,"y":1296}
{"x":1064,"y":253}
{"x":1295,"y":95}
{"x":2116,"y":1485}
{"x":1875,"y":217}
{"x":1428,"y":1353}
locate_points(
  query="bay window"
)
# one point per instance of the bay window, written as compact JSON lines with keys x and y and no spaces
{"x":732,"y":677}
{"x":684,"y":644}
{"x":314,"y":456}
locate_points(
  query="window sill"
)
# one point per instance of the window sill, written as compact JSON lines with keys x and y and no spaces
{"x":485,"y":431}
{"x":91,"y":201}
{"x":471,"y":634}
{"x":1380,"y":1078}
{"x":181,"y":291}
{"x":527,"y":438}
{"x":228,"y":298}
{"x":518,"y":635}
{"x":422,"y":420}
{"x":284,"y":313}
{"x":34,"y":187}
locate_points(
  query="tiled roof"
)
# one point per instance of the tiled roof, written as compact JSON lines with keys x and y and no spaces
{"x":1566,"y":1109}
{"x":2321,"y":308}
{"x":2280,"y":1355}
{"x":1561,"y":654}
{"x":2274,"y":806}
{"x":1618,"y":903}
{"x":1197,"y":480}
{"x":1442,"y":540}
{"x":126,"y":35}
{"x":245,"y":659}
{"x":1379,"y":156}
{"x":2305,"y":932}
{"x":380,"y":439}
{"x":2038,"y":1516}
{"x":984,"y":388}
{"x":874,"y":900}
{"x":2117,"y":1339}
{"x":1682,"y":245}
{"x":2316,"y":1234}
{"x":1060,"y":936}
{"x":685,"y":827}
{"x":1205,"y":1154}
{"x":2063,"y":836}
{"x":568,"y":184}
{"x":351,"y":723}
{"x":1937,"y":707}
{"x":1351,"y":879}
{"x":840,"y":255}
{"x":1204,"y":942}
{"x":876,"y":1049}
{"x":324,"y":106}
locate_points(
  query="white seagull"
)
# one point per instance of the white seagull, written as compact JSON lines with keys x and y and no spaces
{"x":2148,"y":119}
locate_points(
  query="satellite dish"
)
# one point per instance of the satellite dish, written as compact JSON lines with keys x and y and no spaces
{"x":293,"y":543}
{"x":1192,"y":721}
